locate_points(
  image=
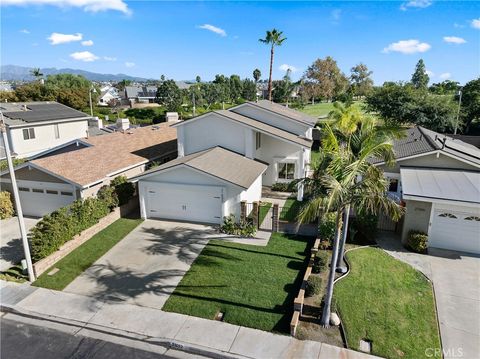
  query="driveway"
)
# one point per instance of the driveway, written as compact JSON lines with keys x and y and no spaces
{"x":146,"y":266}
{"x":456,"y":279}
{"x":11,"y":249}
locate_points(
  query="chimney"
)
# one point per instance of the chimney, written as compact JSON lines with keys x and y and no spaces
{"x":123,"y":124}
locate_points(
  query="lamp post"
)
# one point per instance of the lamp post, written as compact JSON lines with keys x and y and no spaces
{"x":92,"y":89}
{"x":16,"y":196}
{"x":458,"y":111}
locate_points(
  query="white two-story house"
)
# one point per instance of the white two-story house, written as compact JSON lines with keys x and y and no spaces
{"x":35,"y":127}
{"x":225,"y":157}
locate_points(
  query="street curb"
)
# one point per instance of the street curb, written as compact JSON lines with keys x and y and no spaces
{"x":119,"y":333}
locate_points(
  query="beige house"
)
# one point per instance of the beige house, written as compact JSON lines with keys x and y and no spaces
{"x":438,"y":179}
{"x":81,"y":168}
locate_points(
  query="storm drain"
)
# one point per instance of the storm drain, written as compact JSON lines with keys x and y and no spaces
{"x":219,"y":316}
{"x":365,"y":345}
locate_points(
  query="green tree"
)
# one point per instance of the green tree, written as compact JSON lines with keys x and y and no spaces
{"x":470,"y":109}
{"x":169,"y":96}
{"x":447,"y":87}
{"x":420,"y":78}
{"x":35,"y":72}
{"x":198,"y":79}
{"x":360,"y":80}
{"x":124,"y":83}
{"x":282,"y":90}
{"x":272,"y":38}
{"x":257,"y":74}
{"x":236,"y":87}
{"x":249,"y":92}
{"x":325,"y":79}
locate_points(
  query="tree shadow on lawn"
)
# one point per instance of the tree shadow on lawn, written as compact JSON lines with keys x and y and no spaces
{"x":252,"y":251}
{"x":12,"y":251}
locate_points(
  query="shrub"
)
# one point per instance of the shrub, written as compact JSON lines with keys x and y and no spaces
{"x":6,"y":205}
{"x":327,"y":227}
{"x":320,"y":261}
{"x":417,"y":241}
{"x":363,"y":228}
{"x":314,"y":286}
{"x":242,"y":228}
{"x":109,"y":196}
{"x":284,"y":187}
{"x":123,"y":189}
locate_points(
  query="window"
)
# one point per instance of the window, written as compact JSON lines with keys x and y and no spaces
{"x":393,"y":186}
{"x":28,"y":133}
{"x":472,"y":218}
{"x":51,"y":192}
{"x":286,"y":171}
{"x":37,"y":190}
{"x":66,"y":193}
{"x":258,"y":140}
{"x":447,"y":215}
{"x":56,"y":130}
{"x":24,"y":189}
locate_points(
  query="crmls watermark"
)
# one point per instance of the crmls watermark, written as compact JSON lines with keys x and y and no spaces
{"x":447,"y":352}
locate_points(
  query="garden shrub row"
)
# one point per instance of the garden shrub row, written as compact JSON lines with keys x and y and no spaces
{"x":6,"y":205}
{"x":60,"y":226}
{"x":417,"y":241}
{"x":243,"y":228}
{"x":285,"y":187}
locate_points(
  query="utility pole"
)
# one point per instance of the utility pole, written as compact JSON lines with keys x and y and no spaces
{"x":92,"y":89}
{"x":193,"y":100}
{"x":458,"y":111}
{"x":23,"y":230}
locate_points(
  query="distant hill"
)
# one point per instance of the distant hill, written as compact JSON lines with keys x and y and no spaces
{"x":22,"y":73}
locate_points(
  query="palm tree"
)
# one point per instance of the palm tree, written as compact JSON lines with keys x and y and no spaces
{"x":345,"y":179}
{"x":257,"y":74}
{"x":272,"y":38}
{"x":35,"y":72}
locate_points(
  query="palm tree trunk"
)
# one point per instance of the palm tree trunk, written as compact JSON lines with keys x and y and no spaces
{"x":344,"y":237}
{"x":325,"y":320}
{"x":270,"y":77}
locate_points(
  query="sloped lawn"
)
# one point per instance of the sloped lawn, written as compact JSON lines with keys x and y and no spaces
{"x":388,"y":302}
{"x":253,"y":286}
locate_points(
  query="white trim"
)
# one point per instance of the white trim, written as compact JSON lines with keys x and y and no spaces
{"x":451,"y":155}
{"x":438,"y":200}
{"x":53,"y":149}
{"x":408,"y":157}
{"x":31,"y":164}
{"x":48,"y":122}
{"x":438,"y":153}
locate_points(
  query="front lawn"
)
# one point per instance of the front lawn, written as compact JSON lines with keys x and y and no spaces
{"x":318,"y":110}
{"x":290,"y":209}
{"x":84,"y":256}
{"x":389,"y":303}
{"x":263,"y":211}
{"x":253,"y":286}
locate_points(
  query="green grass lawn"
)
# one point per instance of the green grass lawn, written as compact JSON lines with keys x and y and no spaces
{"x":263,"y":211}
{"x":254,"y":286}
{"x":388,"y":302}
{"x":84,"y":256}
{"x":319,"y":109}
{"x":291,"y":209}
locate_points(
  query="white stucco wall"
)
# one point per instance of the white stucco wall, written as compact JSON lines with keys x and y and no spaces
{"x":274,"y":120}
{"x":417,"y":217}
{"x":45,"y":137}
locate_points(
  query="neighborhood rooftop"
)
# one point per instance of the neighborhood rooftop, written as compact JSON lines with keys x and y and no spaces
{"x":284,"y":111}
{"x":19,"y":113}
{"x":221,"y":163}
{"x":110,"y":153}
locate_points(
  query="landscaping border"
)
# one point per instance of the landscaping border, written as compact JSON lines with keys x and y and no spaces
{"x":45,"y":263}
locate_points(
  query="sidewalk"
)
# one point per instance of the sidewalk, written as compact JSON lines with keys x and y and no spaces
{"x":190,"y":334}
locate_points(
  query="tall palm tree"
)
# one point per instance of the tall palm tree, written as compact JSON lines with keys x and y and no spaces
{"x":35,"y":72}
{"x":347,"y":179}
{"x":272,"y":38}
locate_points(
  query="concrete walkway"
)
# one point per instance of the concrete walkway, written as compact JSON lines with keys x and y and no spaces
{"x":83,"y":315}
{"x":456,"y":280}
{"x":11,"y":249}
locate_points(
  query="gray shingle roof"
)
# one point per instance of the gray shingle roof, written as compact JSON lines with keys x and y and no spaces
{"x":28,"y":112}
{"x":141,"y":91}
{"x":263,"y":127}
{"x":218,"y":162}
{"x":285,"y":111}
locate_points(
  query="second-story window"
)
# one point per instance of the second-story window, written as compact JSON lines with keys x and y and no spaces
{"x":56,"y":130}
{"x":28,"y":133}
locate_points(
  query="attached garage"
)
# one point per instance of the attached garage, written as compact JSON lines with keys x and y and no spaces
{"x":445,"y":204}
{"x":202,"y":187}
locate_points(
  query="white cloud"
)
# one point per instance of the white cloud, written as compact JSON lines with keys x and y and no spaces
{"x":25,"y":31}
{"x":129,"y":64}
{"x":85,"y":56}
{"x":86,"y":5}
{"x":415,"y":4}
{"x":57,"y":38}
{"x":286,"y":67}
{"x":458,"y":26}
{"x":108,"y":58}
{"x":445,"y":75}
{"x":430,"y":73}
{"x":214,"y":29}
{"x":454,"y":40}
{"x":407,"y":47}
{"x":475,"y":23}
{"x":87,"y":43}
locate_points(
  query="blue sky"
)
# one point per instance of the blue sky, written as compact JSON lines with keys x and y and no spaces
{"x":184,"y":39}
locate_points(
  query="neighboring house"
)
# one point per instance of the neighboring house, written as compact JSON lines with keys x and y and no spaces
{"x":224,"y":158}
{"x":81,"y":168}
{"x":140,"y":94}
{"x":108,"y":94}
{"x":34,"y":127}
{"x":438,"y":179}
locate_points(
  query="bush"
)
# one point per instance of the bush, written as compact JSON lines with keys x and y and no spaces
{"x":417,"y":241}
{"x":15,"y":162}
{"x":109,"y":196}
{"x":284,"y":187}
{"x":242,"y":228}
{"x":314,"y":286}
{"x":320,"y":262}
{"x":328,"y":227}
{"x":6,"y":205}
{"x":123,"y":189}
{"x":363,"y":228}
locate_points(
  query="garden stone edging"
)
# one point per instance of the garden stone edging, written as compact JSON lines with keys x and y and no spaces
{"x":43,"y":264}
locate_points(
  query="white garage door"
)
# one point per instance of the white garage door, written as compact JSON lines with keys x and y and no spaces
{"x":456,"y":228}
{"x":184,"y":202}
{"x":39,"y":199}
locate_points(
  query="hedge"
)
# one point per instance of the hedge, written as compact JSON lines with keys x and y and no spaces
{"x":417,"y":241}
{"x":6,"y":205}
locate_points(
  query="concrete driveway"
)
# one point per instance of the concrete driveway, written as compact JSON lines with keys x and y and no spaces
{"x":11,"y":249}
{"x":456,"y":279}
{"x":146,"y":266}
